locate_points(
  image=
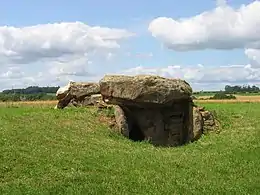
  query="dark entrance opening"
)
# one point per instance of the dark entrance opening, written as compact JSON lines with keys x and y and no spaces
{"x":136,"y":133}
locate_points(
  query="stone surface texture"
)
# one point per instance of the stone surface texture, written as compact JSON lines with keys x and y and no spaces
{"x":77,"y":93}
{"x":143,"y":89}
{"x":197,"y":125}
{"x":151,"y":108}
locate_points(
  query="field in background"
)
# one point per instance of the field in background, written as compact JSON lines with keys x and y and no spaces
{"x":47,"y":151}
{"x":201,"y":99}
{"x":202,"y":94}
{"x":30,"y":103}
{"x":239,"y":98}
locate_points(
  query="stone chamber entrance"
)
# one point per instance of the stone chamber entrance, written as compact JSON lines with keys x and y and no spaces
{"x":147,"y":107}
{"x":167,"y":126}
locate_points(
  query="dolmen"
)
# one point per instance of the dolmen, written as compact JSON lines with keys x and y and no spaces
{"x":146,"y":107}
{"x":151,"y":108}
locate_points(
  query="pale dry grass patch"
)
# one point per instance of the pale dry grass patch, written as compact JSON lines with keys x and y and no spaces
{"x":240,"y":98}
{"x":202,"y":99}
{"x":227,"y":101}
{"x":50,"y":103}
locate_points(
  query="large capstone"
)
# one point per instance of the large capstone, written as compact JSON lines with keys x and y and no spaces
{"x":144,"y":89}
{"x":77,"y":93}
{"x":151,"y":108}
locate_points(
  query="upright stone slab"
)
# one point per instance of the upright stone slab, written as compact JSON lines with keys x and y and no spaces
{"x":151,"y":107}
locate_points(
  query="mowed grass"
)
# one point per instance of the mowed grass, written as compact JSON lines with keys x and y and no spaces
{"x":47,"y":151}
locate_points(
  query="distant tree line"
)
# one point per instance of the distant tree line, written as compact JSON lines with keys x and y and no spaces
{"x":31,"y":90}
{"x":205,"y":92}
{"x":241,"y":89}
{"x":26,"y":97}
{"x":233,"y":90}
{"x":31,"y":93}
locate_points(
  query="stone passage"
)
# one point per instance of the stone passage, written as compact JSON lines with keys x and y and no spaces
{"x":151,"y":108}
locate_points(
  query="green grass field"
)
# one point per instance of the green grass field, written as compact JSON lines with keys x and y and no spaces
{"x":46,"y":151}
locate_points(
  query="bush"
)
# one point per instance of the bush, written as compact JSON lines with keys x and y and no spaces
{"x":222,"y":95}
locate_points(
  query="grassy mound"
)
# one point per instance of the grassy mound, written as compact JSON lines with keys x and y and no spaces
{"x":46,"y":151}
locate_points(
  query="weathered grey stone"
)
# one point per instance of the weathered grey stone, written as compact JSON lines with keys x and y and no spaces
{"x":151,"y":108}
{"x":123,"y":90}
{"x":209,"y":123}
{"x":76,"y":92}
{"x":83,"y":89}
{"x":121,"y":120}
{"x":96,"y":98}
{"x":63,"y":91}
{"x":87,"y":101}
{"x":197,"y":125}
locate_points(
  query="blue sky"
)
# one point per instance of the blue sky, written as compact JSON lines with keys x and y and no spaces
{"x":146,"y":50}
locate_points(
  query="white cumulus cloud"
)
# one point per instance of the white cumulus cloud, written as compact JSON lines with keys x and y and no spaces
{"x":58,"y":50}
{"x":74,"y":66}
{"x":207,"y":77}
{"x":221,"y":28}
{"x":12,"y":73}
{"x":32,"y":43}
{"x":221,"y":3}
{"x":254,"y":56}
